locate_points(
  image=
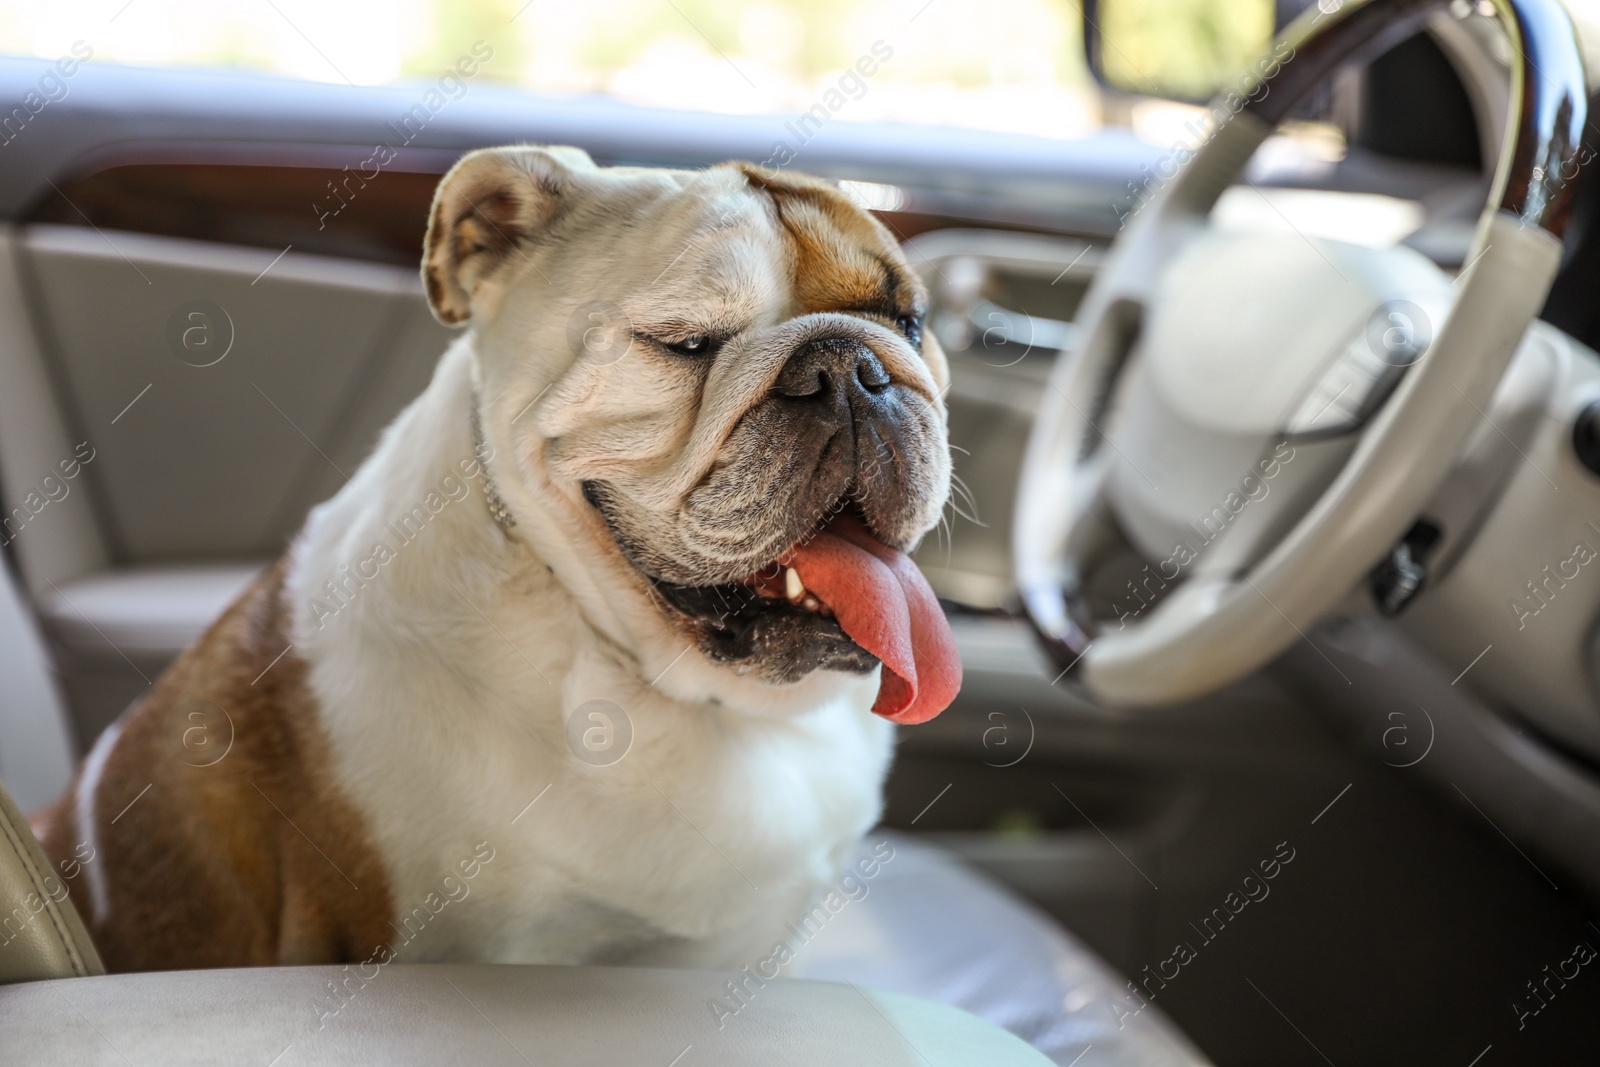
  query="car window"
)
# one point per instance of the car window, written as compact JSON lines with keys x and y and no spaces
{"x":1018,"y":68}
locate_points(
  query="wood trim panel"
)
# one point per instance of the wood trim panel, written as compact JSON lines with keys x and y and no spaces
{"x":317,"y":209}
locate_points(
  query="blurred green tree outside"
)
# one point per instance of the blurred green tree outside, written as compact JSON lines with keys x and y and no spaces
{"x":1183,"y":48}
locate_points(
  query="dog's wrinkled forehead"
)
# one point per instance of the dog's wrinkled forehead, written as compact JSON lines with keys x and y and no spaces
{"x":706,"y":254}
{"x":737,"y":242}
{"x":741,"y":247}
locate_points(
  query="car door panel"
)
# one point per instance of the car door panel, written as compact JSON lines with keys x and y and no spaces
{"x":222,"y":392}
{"x":220,"y":453}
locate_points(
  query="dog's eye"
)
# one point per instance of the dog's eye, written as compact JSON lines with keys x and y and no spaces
{"x":698,"y":345}
{"x":911,"y":326}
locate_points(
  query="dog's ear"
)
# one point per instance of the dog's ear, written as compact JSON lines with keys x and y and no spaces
{"x":492,"y":203}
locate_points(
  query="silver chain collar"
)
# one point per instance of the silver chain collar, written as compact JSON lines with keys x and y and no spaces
{"x":480,"y":450}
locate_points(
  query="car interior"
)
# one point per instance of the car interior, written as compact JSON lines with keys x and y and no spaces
{"x":1320,"y":286}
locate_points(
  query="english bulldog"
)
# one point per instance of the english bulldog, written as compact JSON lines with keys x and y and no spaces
{"x":595,"y":659}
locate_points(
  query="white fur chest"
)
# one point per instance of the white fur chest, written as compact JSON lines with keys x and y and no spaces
{"x":694,"y":848}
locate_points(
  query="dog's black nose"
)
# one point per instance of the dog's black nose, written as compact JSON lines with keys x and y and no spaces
{"x":830,"y":368}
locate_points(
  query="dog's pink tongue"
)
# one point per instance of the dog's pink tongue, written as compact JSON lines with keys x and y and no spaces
{"x":885,"y":604}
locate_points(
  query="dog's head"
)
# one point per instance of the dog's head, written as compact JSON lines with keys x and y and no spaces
{"x":714,"y":409}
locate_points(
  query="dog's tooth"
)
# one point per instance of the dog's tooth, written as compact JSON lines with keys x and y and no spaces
{"x":792,"y":585}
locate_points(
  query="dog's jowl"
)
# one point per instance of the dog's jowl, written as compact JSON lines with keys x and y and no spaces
{"x":670,"y":469}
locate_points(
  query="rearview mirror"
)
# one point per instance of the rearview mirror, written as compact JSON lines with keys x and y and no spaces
{"x":1179,"y":49}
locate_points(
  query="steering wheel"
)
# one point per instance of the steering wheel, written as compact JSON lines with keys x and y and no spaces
{"x":1261,"y":419}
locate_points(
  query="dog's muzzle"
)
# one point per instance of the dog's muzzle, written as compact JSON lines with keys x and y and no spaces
{"x":790,"y":556}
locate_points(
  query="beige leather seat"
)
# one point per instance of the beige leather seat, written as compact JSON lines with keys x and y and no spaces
{"x":514,"y":1016}
{"x":41,"y":935}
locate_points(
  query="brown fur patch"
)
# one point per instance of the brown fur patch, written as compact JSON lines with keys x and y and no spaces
{"x":255,"y":858}
{"x":844,"y":258}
